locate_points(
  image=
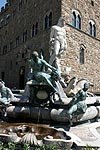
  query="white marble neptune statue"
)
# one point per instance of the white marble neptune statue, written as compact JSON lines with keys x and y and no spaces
{"x":57,"y":42}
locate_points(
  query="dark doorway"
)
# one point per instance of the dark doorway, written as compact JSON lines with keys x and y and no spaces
{"x":22,"y":77}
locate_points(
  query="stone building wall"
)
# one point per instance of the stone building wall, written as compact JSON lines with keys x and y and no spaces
{"x":78,"y":38}
{"x":90,"y":68}
{"x":23,"y":17}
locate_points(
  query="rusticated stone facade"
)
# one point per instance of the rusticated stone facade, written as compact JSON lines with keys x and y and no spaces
{"x":79,"y":38}
{"x":17,"y":41}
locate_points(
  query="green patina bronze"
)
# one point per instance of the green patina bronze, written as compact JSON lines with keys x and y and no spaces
{"x":78,"y":105}
{"x":38,"y":75}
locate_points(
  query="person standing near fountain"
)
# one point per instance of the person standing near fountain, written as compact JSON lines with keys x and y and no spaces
{"x":57,"y":42}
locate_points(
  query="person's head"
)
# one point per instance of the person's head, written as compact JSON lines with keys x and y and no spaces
{"x":61,"y":21}
{"x":86,"y":86}
{"x":35,"y":56}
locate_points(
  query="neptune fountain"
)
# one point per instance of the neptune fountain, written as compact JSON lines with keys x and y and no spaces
{"x":44,"y":98}
{"x":47,"y":100}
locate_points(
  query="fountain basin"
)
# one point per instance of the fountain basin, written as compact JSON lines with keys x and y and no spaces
{"x":67,"y":143}
{"x":34,"y":134}
{"x":49,"y":114}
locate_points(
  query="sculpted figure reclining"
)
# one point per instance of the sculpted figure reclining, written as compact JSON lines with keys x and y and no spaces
{"x":78,"y":105}
{"x":38,"y":75}
{"x":37,"y":64}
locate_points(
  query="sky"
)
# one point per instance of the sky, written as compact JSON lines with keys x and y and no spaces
{"x":2,"y":3}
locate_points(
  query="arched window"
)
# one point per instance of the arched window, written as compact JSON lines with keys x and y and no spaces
{"x":36,"y":28}
{"x":11,"y":64}
{"x":81,"y":55}
{"x":17,"y":41}
{"x":92,"y":29}
{"x":24,"y":36}
{"x":4,"y":49}
{"x":50,"y":19}
{"x":74,"y":19}
{"x":78,"y":22}
{"x":33,"y":30}
{"x":46,"y":22}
